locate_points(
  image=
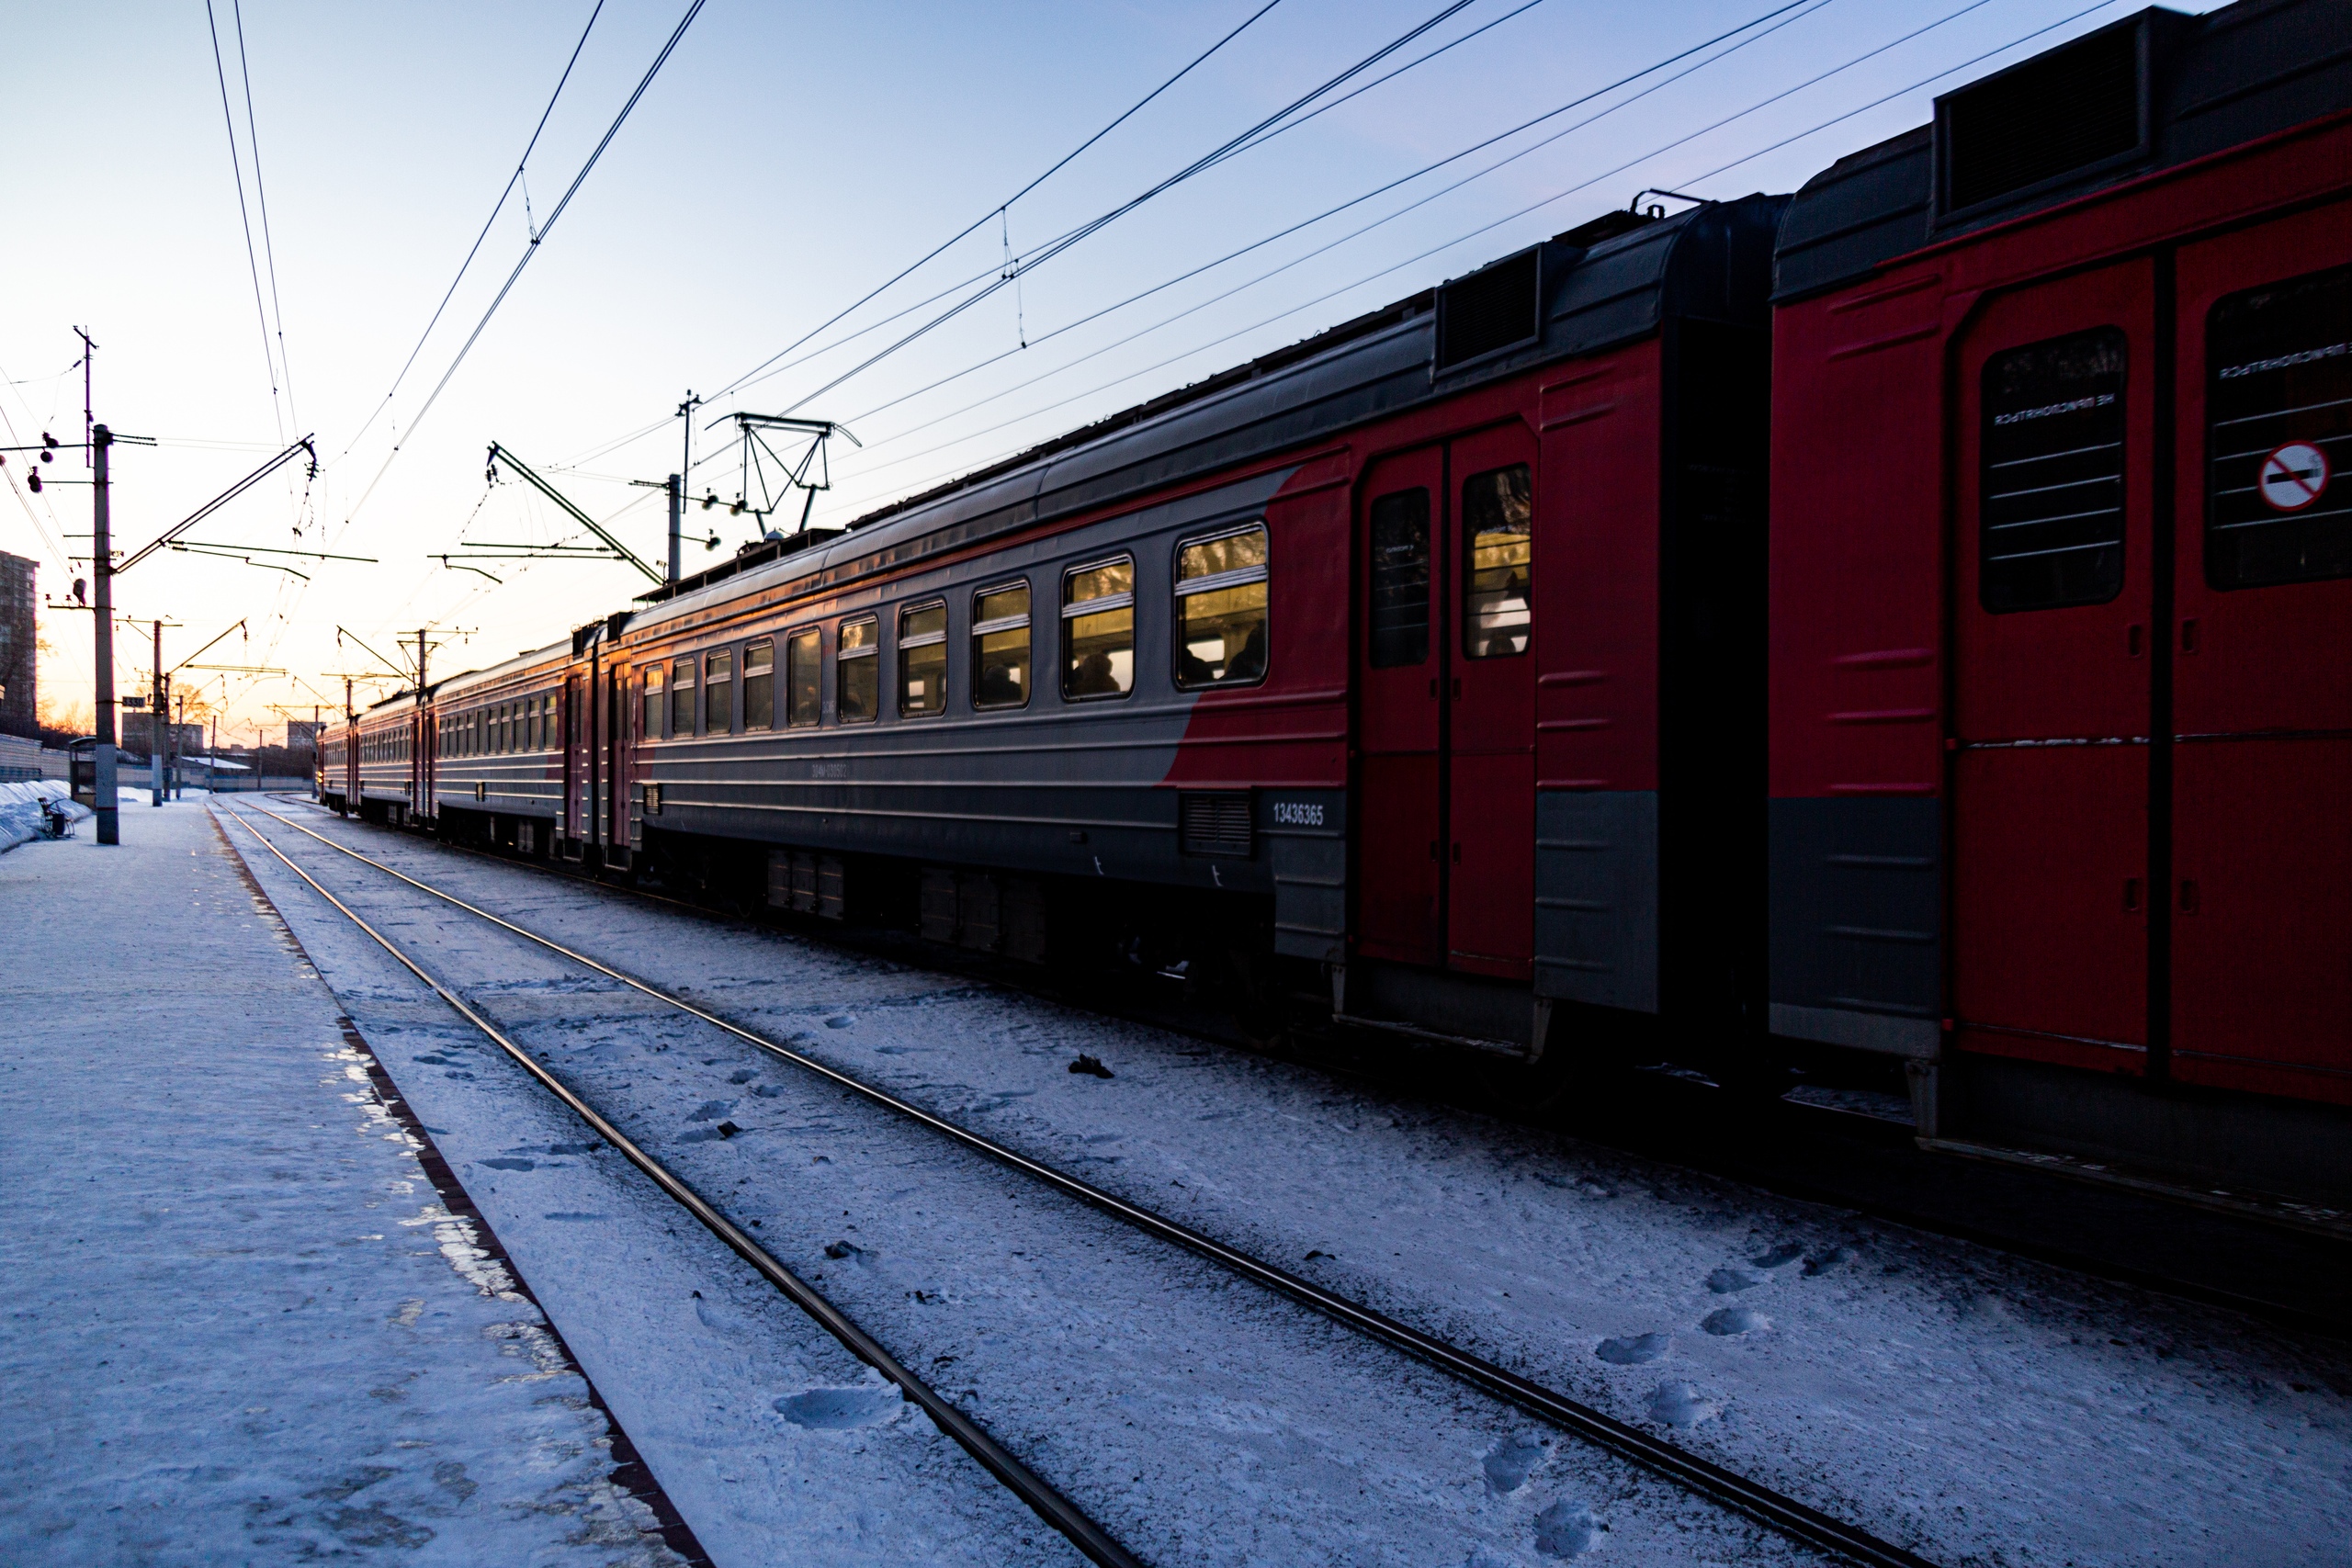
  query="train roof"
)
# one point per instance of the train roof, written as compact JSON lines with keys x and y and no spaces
{"x":1608,"y":282}
{"x":2149,"y":92}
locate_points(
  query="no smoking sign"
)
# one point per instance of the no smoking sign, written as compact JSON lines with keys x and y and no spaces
{"x":2293,"y":477}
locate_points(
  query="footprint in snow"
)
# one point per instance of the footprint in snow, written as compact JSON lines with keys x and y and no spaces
{"x":1679,"y":1405}
{"x":509,"y":1163}
{"x":1511,"y":1462}
{"x":1724,"y":1320}
{"x":1786,"y":1253}
{"x":769,"y":1090}
{"x":1632,"y":1350}
{"x":837,"y":1409}
{"x":1566,"y":1530}
{"x":1820,"y":1263}
{"x":743,"y":1075}
{"x":843,"y":1020}
{"x":711,"y":1109}
{"x":1724,"y":1281}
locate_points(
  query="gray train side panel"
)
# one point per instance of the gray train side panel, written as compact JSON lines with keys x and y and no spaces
{"x":1305,"y":837}
{"x":1596,"y":897}
{"x":1857,"y":925}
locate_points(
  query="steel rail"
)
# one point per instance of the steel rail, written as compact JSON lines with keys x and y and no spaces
{"x":1050,"y":1505}
{"x":1760,"y":1502}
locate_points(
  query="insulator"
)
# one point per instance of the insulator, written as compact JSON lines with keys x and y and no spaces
{"x":47,"y":456}
{"x":33,"y":480}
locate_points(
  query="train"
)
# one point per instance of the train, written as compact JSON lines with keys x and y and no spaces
{"x":1906,"y":624}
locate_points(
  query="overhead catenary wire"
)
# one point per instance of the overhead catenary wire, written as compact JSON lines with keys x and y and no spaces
{"x":261,"y":199}
{"x":1096,"y":225}
{"x":977,"y":223}
{"x":554,"y":216}
{"x":237,"y":170}
{"x":1549,"y":200}
{"x":496,"y":207}
{"x":1084,"y":230}
{"x":1781,"y":17}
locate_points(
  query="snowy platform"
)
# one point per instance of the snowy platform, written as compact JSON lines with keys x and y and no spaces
{"x":241,"y":1326}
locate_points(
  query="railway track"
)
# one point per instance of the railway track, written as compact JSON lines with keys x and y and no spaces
{"x":1792,"y":1519}
{"x":2163,"y":1238}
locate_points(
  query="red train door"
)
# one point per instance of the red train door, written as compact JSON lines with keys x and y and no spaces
{"x":575,"y":759}
{"x":1490,"y":732}
{"x":2051,"y":686}
{"x":2261,"y":890}
{"x":1446,"y":761}
{"x":1400,"y":674}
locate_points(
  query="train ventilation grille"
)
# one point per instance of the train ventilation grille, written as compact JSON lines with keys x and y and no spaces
{"x":2069,"y":109}
{"x":1214,"y":822}
{"x":1493,"y":309}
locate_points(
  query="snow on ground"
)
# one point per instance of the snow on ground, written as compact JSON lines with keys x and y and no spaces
{"x":1200,"y":1420}
{"x":238,"y":1325}
{"x":1979,"y":1407}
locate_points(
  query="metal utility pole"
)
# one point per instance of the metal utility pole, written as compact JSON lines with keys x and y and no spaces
{"x":677,"y":521}
{"x":159,"y":715}
{"x":102,"y":563}
{"x":678,"y":479}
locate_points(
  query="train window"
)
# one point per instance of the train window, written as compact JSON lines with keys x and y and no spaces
{"x":681,"y":698}
{"x":804,"y":677}
{"x":1400,"y":622}
{"x":2050,"y":524}
{"x":547,"y":721}
{"x":1499,"y":550}
{"x":654,"y":702}
{"x":1221,"y":608}
{"x":857,"y":697}
{"x":2278,"y":407}
{"x":922,"y":661}
{"x":1098,"y":630}
{"x":759,"y":684}
{"x":1001,"y":647}
{"x":719,"y":691}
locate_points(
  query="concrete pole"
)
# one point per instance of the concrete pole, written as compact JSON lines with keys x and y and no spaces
{"x":159,"y":719}
{"x":102,"y":570}
{"x":677,"y":519}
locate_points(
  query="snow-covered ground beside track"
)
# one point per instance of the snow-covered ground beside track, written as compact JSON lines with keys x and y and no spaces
{"x":1976,"y":1407}
{"x":239,"y":1327}
{"x":1199,"y":1419}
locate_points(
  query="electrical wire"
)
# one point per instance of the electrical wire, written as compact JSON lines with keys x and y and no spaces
{"x":1085,"y":230}
{"x":769,"y":366}
{"x":1096,"y":225}
{"x":554,"y":216}
{"x":252,"y":264}
{"x":929,"y":255}
{"x":261,"y":195}
{"x":496,"y":207}
{"x":1756,"y":29}
{"x":1555,"y":197}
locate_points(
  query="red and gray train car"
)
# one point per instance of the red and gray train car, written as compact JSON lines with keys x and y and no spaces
{"x":1905,"y":620}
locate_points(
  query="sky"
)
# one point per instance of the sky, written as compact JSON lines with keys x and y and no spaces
{"x":782,"y":163}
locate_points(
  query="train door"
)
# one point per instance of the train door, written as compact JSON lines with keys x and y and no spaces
{"x":2051,"y":689}
{"x":2261,"y":886}
{"x":575,"y":763}
{"x":422,"y":771}
{"x":1490,"y":730}
{"x":1401,"y":671}
{"x":615,"y":772}
{"x":1445,"y":769}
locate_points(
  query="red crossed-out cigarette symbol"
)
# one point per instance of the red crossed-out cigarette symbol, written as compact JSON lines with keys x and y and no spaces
{"x":2292,"y":477}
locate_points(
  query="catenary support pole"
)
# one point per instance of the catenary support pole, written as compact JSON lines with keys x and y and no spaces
{"x":158,"y":720}
{"x":102,"y":659}
{"x":677,"y":519}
